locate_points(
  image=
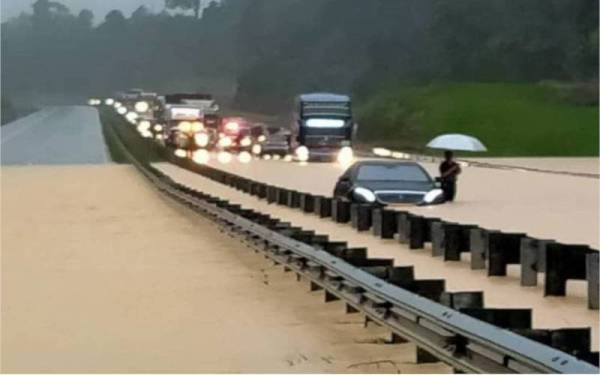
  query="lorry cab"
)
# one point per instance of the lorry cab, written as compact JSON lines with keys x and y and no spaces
{"x":323,"y":126}
{"x":182,"y":126}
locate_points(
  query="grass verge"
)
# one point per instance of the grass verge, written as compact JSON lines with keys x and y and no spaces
{"x":511,"y":119}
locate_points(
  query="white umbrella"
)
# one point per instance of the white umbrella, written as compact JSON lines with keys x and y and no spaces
{"x":459,"y":142}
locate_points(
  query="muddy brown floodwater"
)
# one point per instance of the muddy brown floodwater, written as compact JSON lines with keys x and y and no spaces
{"x":100,"y":273}
{"x":500,"y":292}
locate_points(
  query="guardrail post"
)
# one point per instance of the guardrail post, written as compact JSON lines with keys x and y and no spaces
{"x":323,"y":206}
{"x":282,"y":196}
{"x":564,"y":262}
{"x":533,"y":260}
{"x":385,"y":224}
{"x":462,"y":300}
{"x":437,"y":238}
{"x":360,"y":216}
{"x":307,"y":202}
{"x":503,"y":249}
{"x":479,"y":241}
{"x":457,"y":240}
{"x":272,"y":193}
{"x":293,"y":199}
{"x":412,"y":230}
{"x":429,"y":221}
{"x":402,"y":226}
{"x":592,"y":279}
{"x":502,"y":318}
{"x":340,"y":211}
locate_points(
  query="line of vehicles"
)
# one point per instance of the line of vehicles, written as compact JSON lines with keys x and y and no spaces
{"x":322,"y":129}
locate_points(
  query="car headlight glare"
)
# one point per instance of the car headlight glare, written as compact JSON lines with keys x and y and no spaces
{"x":142,"y":107}
{"x":201,"y":139}
{"x":345,"y":156}
{"x":144,"y":126}
{"x":364,"y":194}
{"x":224,"y":157}
{"x":184,"y":126}
{"x":132,"y":117}
{"x":180,"y":153}
{"x":225,"y":142}
{"x":302,"y":153}
{"x":197,"y":126}
{"x":433,"y":195}
{"x":244,"y":157}
{"x":245,"y":142}
{"x":201,"y":157}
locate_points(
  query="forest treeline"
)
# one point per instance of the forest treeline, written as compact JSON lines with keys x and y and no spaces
{"x":260,"y":53}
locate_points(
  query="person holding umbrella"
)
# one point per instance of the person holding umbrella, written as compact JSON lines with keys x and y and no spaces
{"x":449,"y":171}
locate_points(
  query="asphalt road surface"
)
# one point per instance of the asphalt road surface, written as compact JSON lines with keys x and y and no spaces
{"x":55,"y":135}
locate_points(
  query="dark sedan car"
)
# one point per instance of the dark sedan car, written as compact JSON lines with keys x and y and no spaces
{"x":387,"y":183}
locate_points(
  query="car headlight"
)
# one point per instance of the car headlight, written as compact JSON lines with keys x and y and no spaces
{"x":121,"y":110}
{"x":109,"y":101}
{"x":433,"y":196}
{"x":201,"y":139}
{"x":302,"y":153}
{"x":142,"y":107}
{"x":225,"y":142}
{"x":180,"y":153}
{"x":256,"y":149}
{"x":158,"y":128}
{"x":345,"y":156}
{"x":224,"y":157}
{"x":132,"y":117}
{"x":244,"y":157}
{"x":184,"y":126}
{"x":245,"y":142}
{"x":201,"y":157}
{"x":262,"y":138}
{"x":197,"y":126}
{"x":144,"y":126}
{"x":365,"y":195}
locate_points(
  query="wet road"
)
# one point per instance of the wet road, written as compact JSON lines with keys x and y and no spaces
{"x":55,"y":135}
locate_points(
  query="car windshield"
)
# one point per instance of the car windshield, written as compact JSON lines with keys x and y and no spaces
{"x":392,"y":172}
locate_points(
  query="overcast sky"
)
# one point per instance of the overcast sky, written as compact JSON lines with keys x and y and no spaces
{"x":12,"y":8}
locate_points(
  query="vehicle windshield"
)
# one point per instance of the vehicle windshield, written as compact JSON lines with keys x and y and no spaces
{"x":392,"y":172}
{"x":325,"y":109}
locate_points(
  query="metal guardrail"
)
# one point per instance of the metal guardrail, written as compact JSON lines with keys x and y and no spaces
{"x":463,"y":342}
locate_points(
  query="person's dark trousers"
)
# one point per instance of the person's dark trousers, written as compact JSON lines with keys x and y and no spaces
{"x":449,"y":188}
